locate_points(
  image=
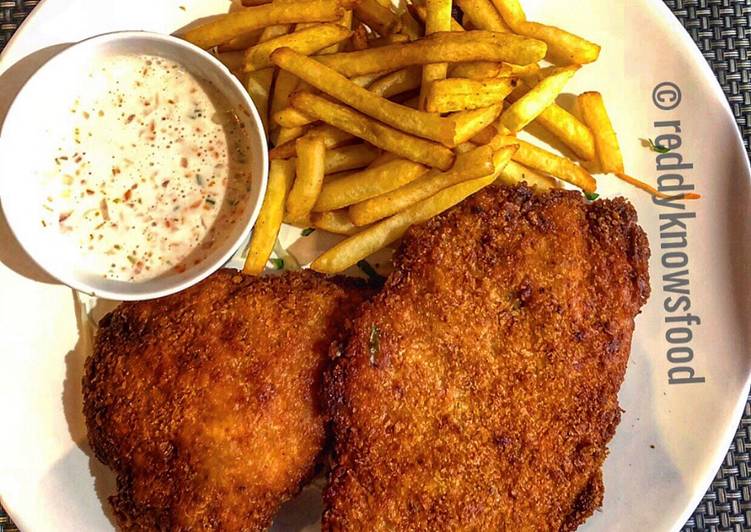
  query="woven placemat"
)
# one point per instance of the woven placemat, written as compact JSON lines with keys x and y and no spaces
{"x":721,"y":29}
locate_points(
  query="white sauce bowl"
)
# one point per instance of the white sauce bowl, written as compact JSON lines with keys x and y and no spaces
{"x":56,"y":84}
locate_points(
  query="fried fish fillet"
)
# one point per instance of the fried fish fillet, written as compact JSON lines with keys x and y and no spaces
{"x":479,"y":389}
{"x":207,"y":404}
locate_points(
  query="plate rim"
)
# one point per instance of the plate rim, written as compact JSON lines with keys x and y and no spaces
{"x":697,"y":61}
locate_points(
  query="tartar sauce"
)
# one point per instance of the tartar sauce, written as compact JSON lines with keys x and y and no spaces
{"x":151,"y":170}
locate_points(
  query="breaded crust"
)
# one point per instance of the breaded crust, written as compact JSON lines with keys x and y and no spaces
{"x":479,"y":389}
{"x":207,"y":404}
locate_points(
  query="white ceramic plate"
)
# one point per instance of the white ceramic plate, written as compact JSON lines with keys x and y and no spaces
{"x":672,"y":437}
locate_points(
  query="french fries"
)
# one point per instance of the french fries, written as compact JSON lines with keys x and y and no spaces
{"x":378,"y":17}
{"x":456,"y":94}
{"x":470,"y":123}
{"x":540,"y":97}
{"x":336,"y":222}
{"x":592,"y":110}
{"x":311,"y":153}
{"x":514,"y":173}
{"x":358,"y":247}
{"x":438,"y":18}
{"x":331,"y":136}
{"x":367,"y":184}
{"x":511,"y":11}
{"x":305,"y":41}
{"x":403,"y":80}
{"x":410,"y":27}
{"x":266,"y":229}
{"x":284,"y":85}
{"x":258,"y":86}
{"x":569,"y":130}
{"x":442,"y":47}
{"x":377,"y":134}
{"x":548,"y":163}
{"x":349,"y":158}
{"x":238,"y":23}
{"x":564,"y":48}
{"x":388,"y":115}
{"x":391,"y":38}
{"x":289,"y":134}
{"x":327,"y":80}
{"x":476,"y":70}
{"x":471,"y":165}
{"x":482,"y":14}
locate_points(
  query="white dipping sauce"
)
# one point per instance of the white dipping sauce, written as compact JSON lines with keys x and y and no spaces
{"x":151,"y":170}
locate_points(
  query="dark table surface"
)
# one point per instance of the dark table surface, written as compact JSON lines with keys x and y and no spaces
{"x":722,"y":30}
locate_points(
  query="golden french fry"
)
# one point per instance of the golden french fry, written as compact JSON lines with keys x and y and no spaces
{"x":311,"y":156}
{"x":564,"y":126}
{"x":367,"y":79}
{"x":233,"y":60}
{"x":345,"y":22}
{"x":349,"y":158}
{"x":515,"y":173}
{"x":327,"y":80}
{"x":569,"y":130}
{"x":391,"y":38}
{"x":482,"y":14}
{"x":476,"y":70}
{"x":526,"y":71}
{"x":422,"y":13}
{"x":384,"y":158}
{"x":486,"y":135}
{"x":548,"y":163}
{"x":378,"y":17}
{"x":410,"y":27}
{"x":592,"y":110}
{"x":305,"y":41}
{"x":332,"y":138}
{"x":540,"y":97}
{"x":502,"y":157}
{"x":266,"y":229}
{"x":470,"y":123}
{"x":272,"y":32}
{"x":242,"y":42}
{"x":367,"y":184}
{"x":385,"y":137}
{"x":403,"y":80}
{"x":336,"y":222}
{"x":289,"y":134}
{"x":511,"y":11}
{"x":370,"y":240}
{"x":470,"y":165}
{"x":564,"y":48}
{"x":458,"y":94}
{"x":441,"y":47}
{"x":238,"y":23}
{"x":465,"y":147}
{"x":249,"y":3}
{"x":438,"y":18}
{"x":284,"y":85}
{"x":258,"y":86}
{"x":291,"y":117}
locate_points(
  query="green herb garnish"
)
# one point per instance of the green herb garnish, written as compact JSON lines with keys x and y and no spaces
{"x":374,"y":343}
{"x":368,"y":270}
{"x":591,"y":196}
{"x":278,"y":264}
{"x":212,"y":201}
{"x":657,"y":147}
{"x":307,"y":231}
